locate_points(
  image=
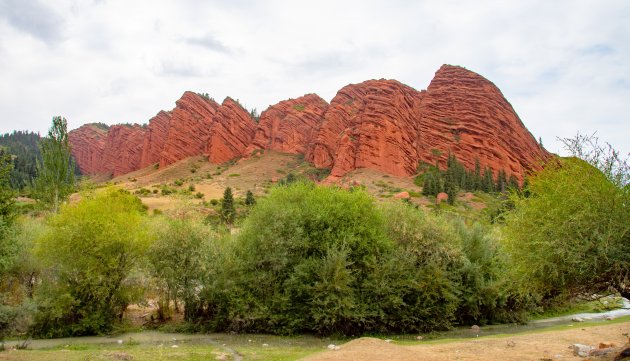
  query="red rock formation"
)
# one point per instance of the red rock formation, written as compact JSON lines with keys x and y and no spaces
{"x":464,"y":113}
{"x":155,"y":139}
{"x":189,"y":132}
{"x":88,"y":145}
{"x":290,"y":125}
{"x":369,"y":125}
{"x":231,"y":131}
{"x":123,"y":149}
{"x":377,"y":124}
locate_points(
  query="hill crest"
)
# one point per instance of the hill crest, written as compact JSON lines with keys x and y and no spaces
{"x":377,"y":124}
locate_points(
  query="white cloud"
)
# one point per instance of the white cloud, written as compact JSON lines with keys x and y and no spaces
{"x":562,"y":64}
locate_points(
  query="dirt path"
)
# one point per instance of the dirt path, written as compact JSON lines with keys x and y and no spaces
{"x":548,"y":345}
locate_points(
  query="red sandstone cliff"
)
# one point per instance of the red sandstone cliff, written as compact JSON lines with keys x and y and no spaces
{"x":189,"y":131}
{"x":88,"y":145}
{"x":123,"y":149}
{"x":464,"y":113}
{"x":289,"y":126}
{"x":231,"y":132}
{"x":378,"y":124}
{"x":369,"y":125}
{"x":155,"y":139}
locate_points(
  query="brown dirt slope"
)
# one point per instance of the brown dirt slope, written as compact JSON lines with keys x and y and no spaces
{"x":549,"y":345}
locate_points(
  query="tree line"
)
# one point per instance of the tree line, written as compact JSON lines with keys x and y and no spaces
{"x":456,"y":178}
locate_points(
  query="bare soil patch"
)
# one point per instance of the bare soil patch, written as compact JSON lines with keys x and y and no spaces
{"x":547,"y":345}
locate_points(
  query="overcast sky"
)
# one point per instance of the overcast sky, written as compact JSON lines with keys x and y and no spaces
{"x":563,"y":65}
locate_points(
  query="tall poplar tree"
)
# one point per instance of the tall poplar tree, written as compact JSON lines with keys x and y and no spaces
{"x":55,"y":181}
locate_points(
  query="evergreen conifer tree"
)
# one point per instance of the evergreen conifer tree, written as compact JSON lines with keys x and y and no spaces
{"x":487,"y":181}
{"x":249,"y":198}
{"x":228,"y":212}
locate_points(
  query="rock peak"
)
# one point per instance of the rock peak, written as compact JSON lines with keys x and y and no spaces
{"x":379,"y":124}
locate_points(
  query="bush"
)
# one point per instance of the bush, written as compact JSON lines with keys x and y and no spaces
{"x":417,"y":287}
{"x":90,"y":248}
{"x":177,"y":260}
{"x":326,"y":260}
{"x":298,"y":244}
{"x":571,"y":236}
{"x":143,"y":192}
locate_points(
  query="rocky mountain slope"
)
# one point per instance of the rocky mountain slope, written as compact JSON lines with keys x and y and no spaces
{"x":378,"y":124}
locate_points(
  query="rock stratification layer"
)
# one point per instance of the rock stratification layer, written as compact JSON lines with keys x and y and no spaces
{"x":231,"y":132}
{"x":189,"y":130}
{"x":155,"y":138}
{"x":467,"y":115}
{"x":290,"y":125}
{"x":88,"y":145}
{"x":378,"y":124}
{"x":123,"y":149}
{"x":369,"y":125}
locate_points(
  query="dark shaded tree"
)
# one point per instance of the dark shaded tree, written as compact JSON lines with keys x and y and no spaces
{"x":249,"y":199}
{"x":228,"y":212}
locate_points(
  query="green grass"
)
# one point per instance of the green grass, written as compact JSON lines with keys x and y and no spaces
{"x":118,"y":352}
{"x":250,"y":347}
{"x":580,"y":307}
{"x":210,"y":347}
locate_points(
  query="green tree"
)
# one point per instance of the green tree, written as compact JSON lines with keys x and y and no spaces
{"x":571,"y":236}
{"x":24,"y":149}
{"x":502,"y":182}
{"x":7,"y":197}
{"x":487,"y":181}
{"x":228,"y":212}
{"x":249,"y":198}
{"x":90,"y":248}
{"x":602,"y":156}
{"x":298,"y":262}
{"x":8,"y":248}
{"x":177,"y":259}
{"x":55,"y":181}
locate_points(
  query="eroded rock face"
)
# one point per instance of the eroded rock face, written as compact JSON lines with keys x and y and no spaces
{"x":190,"y":126}
{"x":378,"y":124}
{"x":369,"y":125}
{"x":290,"y":125}
{"x":464,"y":113}
{"x":231,"y":131}
{"x":123,"y":149}
{"x":88,"y":145}
{"x":155,"y":139}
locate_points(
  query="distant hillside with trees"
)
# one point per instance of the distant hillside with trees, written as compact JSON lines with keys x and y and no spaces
{"x":24,"y":150}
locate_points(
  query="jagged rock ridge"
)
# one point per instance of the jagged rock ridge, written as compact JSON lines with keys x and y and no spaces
{"x":378,"y":124}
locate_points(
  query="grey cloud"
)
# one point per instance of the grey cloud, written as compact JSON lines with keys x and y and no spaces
{"x":176,"y":68}
{"x":209,"y":42}
{"x":34,"y":18}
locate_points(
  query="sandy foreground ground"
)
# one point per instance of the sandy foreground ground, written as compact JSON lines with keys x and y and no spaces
{"x":541,"y":346}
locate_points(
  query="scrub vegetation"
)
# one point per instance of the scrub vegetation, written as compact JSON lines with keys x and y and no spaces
{"x":306,"y":258}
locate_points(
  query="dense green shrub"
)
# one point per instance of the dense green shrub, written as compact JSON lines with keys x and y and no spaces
{"x":297,"y":244}
{"x":326,"y":260}
{"x":418,"y":285}
{"x":571,"y":236}
{"x":177,"y":258}
{"x":90,"y":248}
